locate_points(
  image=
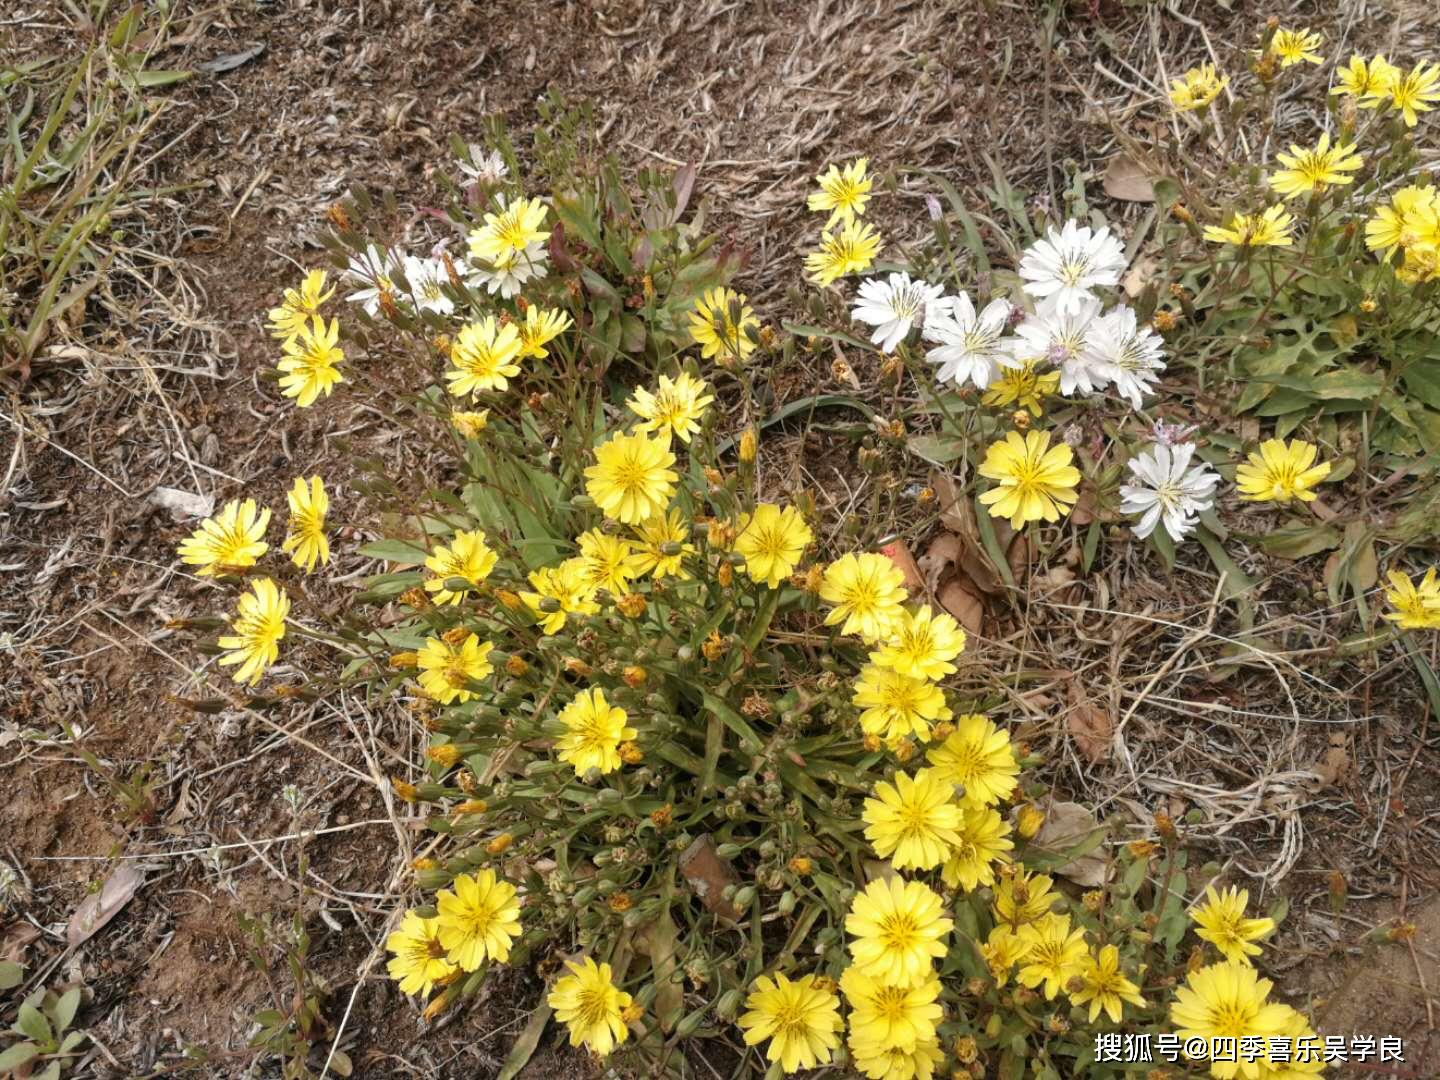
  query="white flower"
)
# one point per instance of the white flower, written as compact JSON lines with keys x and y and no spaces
{"x":507,"y":276}
{"x":427,"y":279}
{"x":375,"y":269}
{"x":1169,"y":489}
{"x":1061,"y":338}
{"x":1125,"y":353}
{"x":893,"y":306}
{"x":970,"y":344}
{"x":487,"y":168}
{"x":1067,"y":264}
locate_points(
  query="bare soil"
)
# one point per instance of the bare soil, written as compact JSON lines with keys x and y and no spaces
{"x":761,"y":95}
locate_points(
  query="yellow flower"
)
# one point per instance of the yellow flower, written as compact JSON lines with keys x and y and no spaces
{"x":1222,"y":922}
{"x":847,"y":252}
{"x":1026,"y":385}
{"x":722,"y":323}
{"x":594,"y":730}
{"x":485,"y":357}
{"x":922,"y":645}
{"x":675,"y":409}
{"x":1366,"y":83}
{"x":470,"y":424}
{"x":1268,"y":229}
{"x":983,"y":838}
{"x":1285,"y":1062}
{"x":479,"y":920}
{"x":979,"y":758}
{"x":1022,"y":898}
{"x":541,"y":326}
{"x":1033,"y":480}
{"x":258,"y":625}
{"x":772,"y":540}
{"x":1422,"y":264}
{"x":1313,"y":170}
{"x":844,"y":192}
{"x":466,"y":556}
{"x":566,"y":588}
{"x":609,"y":561}
{"x":1417,"y":607}
{"x":589,"y":1003}
{"x":1055,"y":954}
{"x":306,"y":539}
{"x":877,"y":1061}
{"x":631,"y":479}
{"x":307,"y":369}
{"x":891,"y":1015}
{"x":801,"y":1019}
{"x":1106,"y":986}
{"x":227,"y":542}
{"x":447,"y":670}
{"x":895,"y":705}
{"x":1197,"y":88}
{"x":913,"y":821}
{"x":897,"y":929}
{"x":1413,"y":217}
{"x":1414,"y":92}
{"x":1281,"y":472}
{"x":299,"y":305}
{"x":655,"y":537}
{"x":419,"y":961}
{"x":1294,"y":46}
{"x":867,"y":591}
{"x":1227,"y":1001}
{"x":506,"y":235}
{"x":1003,"y":949}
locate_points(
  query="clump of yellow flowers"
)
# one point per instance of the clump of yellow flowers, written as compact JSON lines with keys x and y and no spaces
{"x":702,"y":757}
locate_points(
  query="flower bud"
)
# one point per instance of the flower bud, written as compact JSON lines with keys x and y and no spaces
{"x":748,"y":445}
{"x":1028,"y":821}
{"x":403,"y":661}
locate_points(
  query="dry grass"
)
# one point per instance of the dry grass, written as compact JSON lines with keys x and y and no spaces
{"x":156,"y":387}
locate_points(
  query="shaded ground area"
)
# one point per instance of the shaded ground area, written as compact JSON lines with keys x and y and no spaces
{"x":236,"y":812}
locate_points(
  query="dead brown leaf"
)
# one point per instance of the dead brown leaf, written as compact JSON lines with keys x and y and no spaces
{"x":100,"y":907}
{"x":1125,"y":180}
{"x":708,"y":874}
{"x":898,"y":552}
{"x":1091,"y":727}
{"x":1066,"y":826}
{"x":944,"y":549}
{"x":961,"y":602}
{"x":958,"y":515}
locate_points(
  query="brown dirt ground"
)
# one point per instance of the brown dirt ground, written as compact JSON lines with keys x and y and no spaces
{"x":761,"y":94}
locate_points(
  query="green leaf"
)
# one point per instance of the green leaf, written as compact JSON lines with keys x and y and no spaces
{"x":1296,"y":542}
{"x":11,"y":975}
{"x":524,"y":1047}
{"x":1351,"y":385}
{"x":400,"y":551}
{"x":1422,"y":381}
{"x":65,"y":1008}
{"x":32,"y":1023}
{"x":22,"y":1053}
{"x":161,"y":77}
{"x":936,"y":449}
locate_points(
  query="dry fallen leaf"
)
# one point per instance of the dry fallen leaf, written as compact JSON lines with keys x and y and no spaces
{"x":1125,"y":179}
{"x":958,"y":515}
{"x":944,"y":549}
{"x":100,"y":907}
{"x":708,"y":874}
{"x":1066,"y":826}
{"x":898,"y":552}
{"x":1091,"y":727}
{"x":965,"y":605}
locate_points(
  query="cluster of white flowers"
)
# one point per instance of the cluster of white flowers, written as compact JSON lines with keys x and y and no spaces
{"x":377,"y":269}
{"x":1070,"y":331}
